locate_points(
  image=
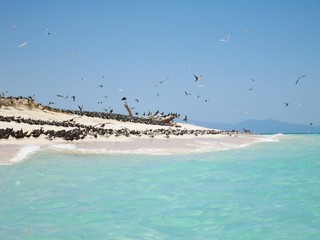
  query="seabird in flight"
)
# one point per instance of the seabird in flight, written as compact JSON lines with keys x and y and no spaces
{"x":185,"y":118}
{"x":62,"y":96}
{"x":198,"y":78}
{"x":47,"y":31}
{"x":299,"y":78}
{"x":226,"y":39}
{"x":23,"y":44}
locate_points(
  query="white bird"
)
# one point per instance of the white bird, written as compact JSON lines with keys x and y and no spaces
{"x":22,"y":44}
{"x":226,"y":39}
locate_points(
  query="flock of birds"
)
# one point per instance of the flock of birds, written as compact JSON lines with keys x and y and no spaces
{"x":197,"y":78}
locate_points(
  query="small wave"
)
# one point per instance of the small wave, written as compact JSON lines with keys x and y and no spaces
{"x":73,"y":149}
{"x":271,"y":138}
{"x":25,"y":152}
{"x":63,"y":147}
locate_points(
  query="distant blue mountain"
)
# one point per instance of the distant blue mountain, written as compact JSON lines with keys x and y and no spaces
{"x":262,"y":126}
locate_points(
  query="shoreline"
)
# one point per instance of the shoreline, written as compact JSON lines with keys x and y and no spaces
{"x":27,"y":127}
{"x":17,"y":151}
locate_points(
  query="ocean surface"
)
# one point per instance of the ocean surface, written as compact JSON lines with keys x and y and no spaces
{"x":268,"y":190}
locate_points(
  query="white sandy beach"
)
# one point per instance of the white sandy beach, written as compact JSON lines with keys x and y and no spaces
{"x":13,"y":149}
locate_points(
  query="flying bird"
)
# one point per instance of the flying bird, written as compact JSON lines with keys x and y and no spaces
{"x":226,"y":39}
{"x":123,"y":99}
{"x":47,"y":31}
{"x":286,"y":104}
{"x":197,"y":78}
{"x":23,"y":44}
{"x":185,"y":118}
{"x":299,"y":78}
{"x":101,"y":86}
{"x":62,"y":96}
{"x":137,"y":100}
{"x":74,"y":98}
{"x":2,"y":94}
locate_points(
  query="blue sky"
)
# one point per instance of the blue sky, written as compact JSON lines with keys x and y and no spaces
{"x":129,"y":47}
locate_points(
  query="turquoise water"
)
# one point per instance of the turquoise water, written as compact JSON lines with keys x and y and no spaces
{"x":265,"y":191}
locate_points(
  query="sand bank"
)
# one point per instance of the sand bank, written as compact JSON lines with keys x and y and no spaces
{"x":103,"y":136}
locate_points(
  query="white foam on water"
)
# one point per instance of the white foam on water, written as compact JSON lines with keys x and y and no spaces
{"x":73,"y":149}
{"x":62,"y":147}
{"x":25,"y":152}
{"x":193,"y":147}
{"x":271,"y":138}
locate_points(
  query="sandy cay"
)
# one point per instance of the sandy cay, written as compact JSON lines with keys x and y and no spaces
{"x":14,"y":150}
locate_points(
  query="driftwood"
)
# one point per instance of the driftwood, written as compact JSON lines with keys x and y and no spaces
{"x":128,"y":108}
{"x":161,"y":119}
{"x":167,"y":119}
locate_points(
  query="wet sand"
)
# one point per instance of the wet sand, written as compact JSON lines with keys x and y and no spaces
{"x":17,"y":151}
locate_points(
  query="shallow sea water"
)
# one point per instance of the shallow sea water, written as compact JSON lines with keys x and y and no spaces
{"x":269,"y":190}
